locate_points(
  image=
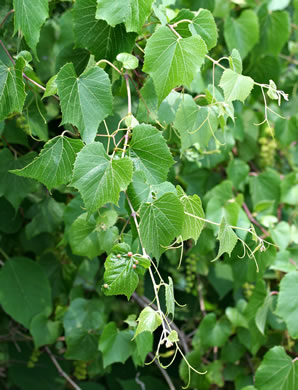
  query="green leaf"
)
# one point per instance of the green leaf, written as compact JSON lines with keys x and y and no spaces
{"x":128,"y":60}
{"x":12,"y":88}
{"x":28,"y":18}
{"x":144,"y":345}
{"x":236,"y":317}
{"x":51,"y":87}
{"x":160,"y":222}
{"x":85,"y":100}
{"x":277,"y":371}
{"x":227,"y":239}
{"x":173,"y":337}
{"x":96,"y":35}
{"x":277,"y":5}
{"x":262,"y":313}
{"x":24,"y":290}
{"x":116,"y":346}
{"x":121,"y":275}
{"x":88,"y":238}
{"x":242,"y":33}
{"x":195,"y":124}
{"x":98,"y":178}
{"x":170,"y":299}
{"x":288,"y":301}
{"x":274,"y":31}
{"x":172,"y":61}
{"x":132,"y":12}
{"x":44,"y":331}
{"x":82,"y":322}
{"x":148,"y":320}
{"x":235,"y":86}
{"x":204,"y":25}
{"x":212,"y":333}
{"x":53,"y":166}
{"x":14,"y":189}
{"x":192,"y":227}
{"x":150,"y":153}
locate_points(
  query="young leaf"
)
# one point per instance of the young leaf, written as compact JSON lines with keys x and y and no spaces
{"x":195,"y":124}
{"x":235,"y":86}
{"x":192,"y":227}
{"x":242,"y":33}
{"x":235,"y":61}
{"x":98,"y":178}
{"x":148,"y":320}
{"x":53,"y":166}
{"x":128,"y":60}
{"x":227,"y":239}
{"x":170,"y":299}
{"x":161,"y":221}
{"x":12,"y":88}
{"x":29,"y":16}
{"x":150,"y":153}
{"x":24,"y":290}
{"x":14,"y":188}
{"x":172,"y":61}
{"x":132,"y":12}
{"x":115,"y":345}
{"x":85,"y":100}
{"x":288,"y":301}
{"x":121,"y":275}
{"x":204,"y":25}
{"x":277,"y":371}
{"x":96,"y":35}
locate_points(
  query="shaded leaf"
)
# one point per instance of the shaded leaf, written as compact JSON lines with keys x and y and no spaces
{"x":24,"y":290}
{"x":115,"y":345}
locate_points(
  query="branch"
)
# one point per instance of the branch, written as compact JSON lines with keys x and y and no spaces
{"x":5,"y":17}
{"x":253,"y":220}
{"x":164,"y":373}
{"x":60,"y":370}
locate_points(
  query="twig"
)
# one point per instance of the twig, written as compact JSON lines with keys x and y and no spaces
{"x":253,"y":220}
{"x":60,"y":370}
{"x":7,"y":52}
{"x":163,"y":372}
{"x":5,"y":17}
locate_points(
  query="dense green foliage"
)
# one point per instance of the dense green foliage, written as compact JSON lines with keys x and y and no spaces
{"x":148,"y":194}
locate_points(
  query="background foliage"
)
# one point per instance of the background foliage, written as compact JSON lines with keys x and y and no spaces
{"x":145,"y":134}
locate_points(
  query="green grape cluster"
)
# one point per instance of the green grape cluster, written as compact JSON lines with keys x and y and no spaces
{"x":80,"y":369}
{"x":268,"y":148}
{"x":248,"y":289}
{"x":33,"y":358}
{"x":22,"y":123}
{"x":190,"y":272}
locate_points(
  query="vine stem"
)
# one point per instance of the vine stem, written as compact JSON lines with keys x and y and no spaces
{"x":109,"y":63}
{"x":60,"y":370}
{"x":253,"y":220}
